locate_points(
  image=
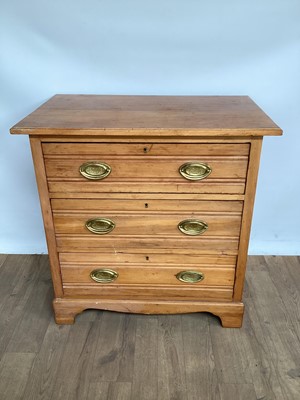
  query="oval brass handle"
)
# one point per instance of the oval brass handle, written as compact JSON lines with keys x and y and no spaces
{"x":190,"y":276}
{"x":95,"y":170}
{"x":104,"y":275}
{"x":195,"y":170}
{"x":192,"y":227}
{"x":101,"y":226}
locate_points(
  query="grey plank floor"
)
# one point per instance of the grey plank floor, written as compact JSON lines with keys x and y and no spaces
{"x":115,"y":356}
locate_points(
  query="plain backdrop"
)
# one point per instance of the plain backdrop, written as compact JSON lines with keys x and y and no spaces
{"x":174,"y":47}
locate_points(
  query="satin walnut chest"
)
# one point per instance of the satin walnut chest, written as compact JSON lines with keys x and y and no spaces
{"x":147,"y":200}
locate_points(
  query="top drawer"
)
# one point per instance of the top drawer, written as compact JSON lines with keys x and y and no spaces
{"x":150,"y":167}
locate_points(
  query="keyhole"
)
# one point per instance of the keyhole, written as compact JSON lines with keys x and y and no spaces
{"x":147,"y":258}
{"x":145,"y":149}
{"x":146,"y":205}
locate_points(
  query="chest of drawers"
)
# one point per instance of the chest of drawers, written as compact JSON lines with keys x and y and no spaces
{"x":147,"y":200}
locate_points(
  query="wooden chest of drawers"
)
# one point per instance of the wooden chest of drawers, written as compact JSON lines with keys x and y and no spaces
{"x":147,"y":200}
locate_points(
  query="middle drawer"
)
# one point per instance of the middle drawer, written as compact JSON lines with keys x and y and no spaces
{"x":169,"y":218}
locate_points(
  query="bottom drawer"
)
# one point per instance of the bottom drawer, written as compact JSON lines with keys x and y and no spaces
{"x":136,"y":274}
{"x":177,"y":275}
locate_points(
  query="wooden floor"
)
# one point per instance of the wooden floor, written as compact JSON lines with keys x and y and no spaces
{"x":108,"y":355}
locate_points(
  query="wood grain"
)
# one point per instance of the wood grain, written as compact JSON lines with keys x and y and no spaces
{"x":142,"y":275}
{"x":145,"y":376}
{"x":272,"y":322}
{"x":166,"y":205}
{"x":14,"y":373}
{"x":216,"y":186}
{"x":171,"y":366}
{"x":46,"y":366}
{"x":147,"y":196}
{"x":149,"y":225}
{"x":110,"y":391}
{"x":123,"y":293}
{"x":113,"y":361}
{"x":75,"y":368}
{"x":141,"y":168}
{"x":146,"y":138}
{"x":37,"y":313}
{"x":232,"y":391}
{"x":287,"y":281}
{"x":206,"y":245}
{"x":167,"y":115}
{"x":199,"y":361}
{"x":19,"y":301}
{"x":230,"y":313}
{"x":144,"y":149}
{"x":152,"y":258}
{"x":2,"y":259}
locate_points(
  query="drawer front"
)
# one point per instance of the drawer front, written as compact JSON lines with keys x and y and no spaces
{"x":186,"y":168}
{"x":177,"y":275}
{"x":155,"y":218}
{"x":154,"y":267}
{"x":114,"y":225}
{"x":144,"y":251}
{"x":159,"y":169}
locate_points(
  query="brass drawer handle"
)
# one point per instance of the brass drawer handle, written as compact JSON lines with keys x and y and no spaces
{"x":100,"y":226}
{"x":95,"y":170}
{"x":104,"y":275}
{"x":192,"y":227}
{"x":195,"y":171}
{"x":190,"y":276}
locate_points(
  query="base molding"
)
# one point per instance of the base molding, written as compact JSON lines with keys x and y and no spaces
{"x":230,"y":313}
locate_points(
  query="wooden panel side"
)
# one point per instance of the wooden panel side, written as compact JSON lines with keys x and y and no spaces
{"x":41,"y":179}
{"x":251,"y":182}
{"x":138,"y":168}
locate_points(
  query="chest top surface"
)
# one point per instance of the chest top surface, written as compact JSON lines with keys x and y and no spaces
{"x":154,"y":115}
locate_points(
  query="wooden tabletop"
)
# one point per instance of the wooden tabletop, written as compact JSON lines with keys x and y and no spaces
{"x":161,"y":115}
